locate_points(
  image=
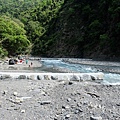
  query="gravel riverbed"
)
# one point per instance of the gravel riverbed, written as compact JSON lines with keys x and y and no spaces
{"x":24,"y":99}
{"x":58,"y":100}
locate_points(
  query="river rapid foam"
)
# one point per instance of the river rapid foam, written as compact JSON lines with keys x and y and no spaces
{"x":111,"y":70}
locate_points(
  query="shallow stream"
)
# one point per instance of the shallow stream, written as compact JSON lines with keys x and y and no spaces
{"x":111,"y":70}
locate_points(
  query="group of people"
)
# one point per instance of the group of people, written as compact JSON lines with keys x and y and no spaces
{"x":30,"y":63}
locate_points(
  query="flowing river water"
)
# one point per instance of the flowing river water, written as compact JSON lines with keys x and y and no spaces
{"x":111,"y":70}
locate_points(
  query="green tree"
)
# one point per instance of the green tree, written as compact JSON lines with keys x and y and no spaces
{"x":12,"y":36}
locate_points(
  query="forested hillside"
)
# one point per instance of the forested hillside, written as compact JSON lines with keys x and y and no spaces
{"x":85,"y":29}
{"x":63,"y":28}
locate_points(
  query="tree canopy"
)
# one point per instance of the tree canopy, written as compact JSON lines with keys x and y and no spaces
{"x":12,"y":36}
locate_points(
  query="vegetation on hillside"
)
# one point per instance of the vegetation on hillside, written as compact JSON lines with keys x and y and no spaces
{"x":63,"y":28}
{"x":86,"y":29}
{"x":12,"y":37}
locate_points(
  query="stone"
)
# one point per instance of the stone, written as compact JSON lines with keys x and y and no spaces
{"x":93,"y":94}
{"x":85,"y":77}
{"x":54,"y":78}
{"x":70,"y":83}
{"x":18,"y":100}
{"x":67,"y":116}
{"x":46,"y":77}
{"x":45,"y":102}
{"x":93,"y":77}
{"x":66,"y":107}
{"x":90,"y":106}
{"x":75,"y":78}
{"x":16,"y":108}
{"x":118,"y":104}
{"x":31,"y":77}
{"x":69,"y":99}
{"x":100,"y":76}
{"x":95,"y":118}
{"x":22,"y":111}
{"x":22,"y":77}
{"x":97,"y":76}
{"x":43,"y":93}
{"x":5,"y":92}
{"x":5,"y":77}
{"x":15,"y":93}
{"x":78,"y":111}
{"x":38,"y":77}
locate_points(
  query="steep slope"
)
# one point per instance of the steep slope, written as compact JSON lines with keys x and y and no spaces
{"x":85,"y":29}
{"x":69,"y":28}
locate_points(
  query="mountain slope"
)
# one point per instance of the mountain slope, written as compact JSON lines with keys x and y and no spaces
{"x":85,"y":29}
{"x":69,"y":28}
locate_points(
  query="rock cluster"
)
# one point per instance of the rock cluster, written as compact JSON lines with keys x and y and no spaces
{"x":53,"y":76}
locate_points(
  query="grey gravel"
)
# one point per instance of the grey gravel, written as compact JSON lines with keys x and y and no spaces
{"x":25,"y":99}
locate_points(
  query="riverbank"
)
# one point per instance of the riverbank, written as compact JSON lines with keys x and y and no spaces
{"x":4,"y":66}
{"x":24,"y":99}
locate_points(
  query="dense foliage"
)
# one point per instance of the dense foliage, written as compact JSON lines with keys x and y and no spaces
{"x":86,"y":29}
{"x":63,"y":28}
{"x":12,"y":37}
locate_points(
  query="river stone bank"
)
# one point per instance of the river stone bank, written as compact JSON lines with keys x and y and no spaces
{"x":25,"y":99}
{"x":53,"y":76}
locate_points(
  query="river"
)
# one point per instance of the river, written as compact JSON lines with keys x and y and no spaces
{"x":111,"y":70}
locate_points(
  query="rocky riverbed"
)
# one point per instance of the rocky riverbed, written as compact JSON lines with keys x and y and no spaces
{"x":30,"y":99}
{"x":58,"y":100}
